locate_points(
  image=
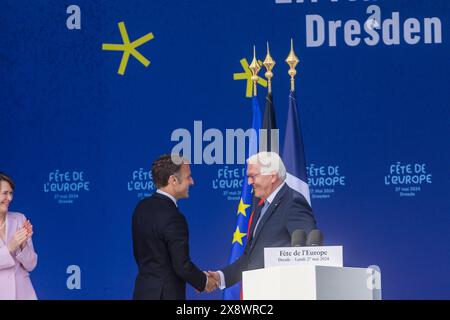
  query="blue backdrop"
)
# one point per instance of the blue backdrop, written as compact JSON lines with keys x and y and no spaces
{"x":79,"y":138}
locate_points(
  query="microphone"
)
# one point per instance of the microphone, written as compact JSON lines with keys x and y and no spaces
{"x":315,"y":238}
{"x":298,"y":238}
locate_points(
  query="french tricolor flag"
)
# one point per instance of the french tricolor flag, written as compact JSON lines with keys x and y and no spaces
{"x":294,"y":153}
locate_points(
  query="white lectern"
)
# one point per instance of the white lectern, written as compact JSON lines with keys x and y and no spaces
{"x":311,"y":282}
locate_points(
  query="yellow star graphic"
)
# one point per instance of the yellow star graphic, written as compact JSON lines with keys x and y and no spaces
{"x":237,"y":236}
{"x":247,"y":75}
{"x":242,"y":207}
{"x":128,"y":48}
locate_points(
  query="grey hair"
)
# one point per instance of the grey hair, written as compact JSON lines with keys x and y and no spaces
{"x":270,"y":163}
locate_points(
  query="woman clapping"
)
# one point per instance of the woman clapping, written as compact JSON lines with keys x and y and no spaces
{"x":17,"y":256}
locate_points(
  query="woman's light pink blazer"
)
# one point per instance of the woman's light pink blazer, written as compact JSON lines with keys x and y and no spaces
{"x":15,"y":280}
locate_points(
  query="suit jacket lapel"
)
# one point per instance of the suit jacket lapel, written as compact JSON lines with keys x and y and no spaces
{"x":273,"y":206}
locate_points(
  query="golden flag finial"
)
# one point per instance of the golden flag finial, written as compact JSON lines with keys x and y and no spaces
{"x":254,"y":67}
{"x":269,"y":63}
{"x":292,"y":61}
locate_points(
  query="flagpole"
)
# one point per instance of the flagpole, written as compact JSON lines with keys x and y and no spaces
{"x":245,"y":210}
{"x":292,"y":61}
{"x":254,"y":67}
{"x":293,"y":150}
{"x":269,"y":63}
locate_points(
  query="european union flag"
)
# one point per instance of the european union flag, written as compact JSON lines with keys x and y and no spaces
{"x":244,"y":207}
{"x":294,"y":153}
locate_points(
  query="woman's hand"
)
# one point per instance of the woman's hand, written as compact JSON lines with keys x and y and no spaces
{"x":19,"y":238}
{"x":29,"y":227}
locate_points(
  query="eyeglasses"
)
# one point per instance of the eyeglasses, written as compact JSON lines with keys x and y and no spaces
{"x":259,"y":174}
{"x":253,"y":176}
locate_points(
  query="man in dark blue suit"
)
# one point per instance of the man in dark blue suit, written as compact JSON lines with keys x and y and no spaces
{"x":284,"y":210}
{"x":161,"y":237}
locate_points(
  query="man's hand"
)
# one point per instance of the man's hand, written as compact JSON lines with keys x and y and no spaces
{"x":214,"y":275}
{"x":212,"y":283}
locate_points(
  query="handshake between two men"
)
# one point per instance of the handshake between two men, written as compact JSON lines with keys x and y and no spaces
{"x":213,"y":281}
{"x":160,"y":231}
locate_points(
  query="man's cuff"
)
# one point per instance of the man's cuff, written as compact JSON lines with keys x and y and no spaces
{"x":222,"y":280}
